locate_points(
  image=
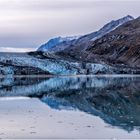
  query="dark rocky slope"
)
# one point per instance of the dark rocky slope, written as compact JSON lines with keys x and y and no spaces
{"x":119,"y":46}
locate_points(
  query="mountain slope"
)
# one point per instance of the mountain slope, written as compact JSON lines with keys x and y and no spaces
{"x":119,"y":46}
{"x":50,"y":46}
{"x":82,"y":42}
{"x":60,"y":44}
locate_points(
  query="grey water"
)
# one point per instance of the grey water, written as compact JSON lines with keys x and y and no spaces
{"x":113,"y":101}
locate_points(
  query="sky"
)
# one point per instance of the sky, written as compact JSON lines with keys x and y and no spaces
{"x":26,"y":24}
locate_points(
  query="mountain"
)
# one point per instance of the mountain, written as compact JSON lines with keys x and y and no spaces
{"x":83,"y":41}
{"x":116,"y":52}
{"x":119,"y":46}
{"x":50,"y":46}
{"x":80,"y":42}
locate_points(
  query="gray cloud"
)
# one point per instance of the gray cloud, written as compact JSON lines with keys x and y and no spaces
{"x":44,"y":4}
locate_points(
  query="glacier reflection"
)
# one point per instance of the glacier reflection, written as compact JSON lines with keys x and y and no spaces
{"x":114,"y":99}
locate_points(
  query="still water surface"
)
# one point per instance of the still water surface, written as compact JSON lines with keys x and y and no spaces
{"x":70,"y":107}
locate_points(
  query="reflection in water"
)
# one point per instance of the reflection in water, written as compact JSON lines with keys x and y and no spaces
{"x":114,"y":99}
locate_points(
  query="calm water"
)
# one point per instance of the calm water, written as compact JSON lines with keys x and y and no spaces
{"x":70,"y":107}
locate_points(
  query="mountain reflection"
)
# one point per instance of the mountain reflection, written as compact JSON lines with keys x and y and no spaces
{"x":114,"y":99}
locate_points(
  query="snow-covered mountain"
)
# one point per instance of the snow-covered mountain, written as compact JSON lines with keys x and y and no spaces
{"x":60,"y":43}
{"x":52,"y":43}
{"x":111,"y":26}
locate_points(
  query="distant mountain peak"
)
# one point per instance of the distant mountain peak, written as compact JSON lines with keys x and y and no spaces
{"x":115,"y":23}
{"x":52,"y":43}
{"x":126,"y":18}
{"x":129,"y":17}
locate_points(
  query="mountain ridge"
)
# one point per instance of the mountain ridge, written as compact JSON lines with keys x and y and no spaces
{"x":122,"y":45}
{"x":59,"y":44}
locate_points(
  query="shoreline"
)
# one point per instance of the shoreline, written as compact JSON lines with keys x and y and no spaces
{"x":52,"y":76}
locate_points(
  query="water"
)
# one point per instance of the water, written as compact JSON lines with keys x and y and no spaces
{"x":70,"y":107}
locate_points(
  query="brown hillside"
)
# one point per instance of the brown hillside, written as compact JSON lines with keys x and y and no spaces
{"x":119,"y":46}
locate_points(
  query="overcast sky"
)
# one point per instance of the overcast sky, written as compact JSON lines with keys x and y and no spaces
{"x":26,"y":24}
